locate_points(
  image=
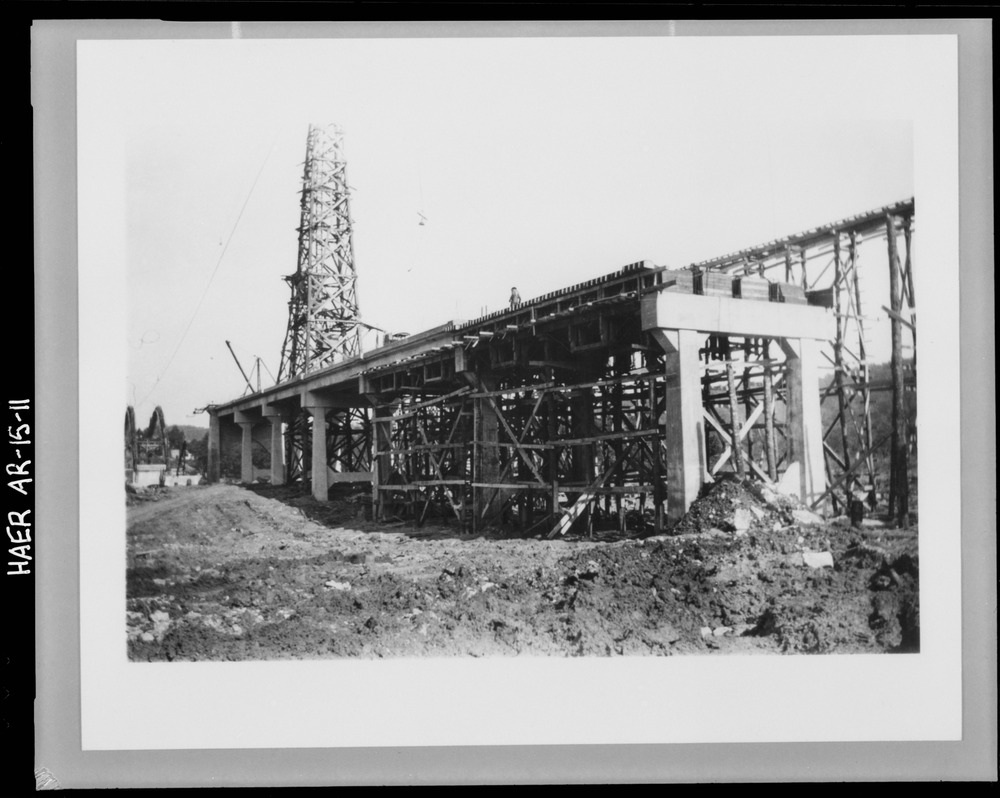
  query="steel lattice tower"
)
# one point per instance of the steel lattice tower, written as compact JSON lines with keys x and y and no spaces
{"x":323,"y":325}
{"x":323,"y":310}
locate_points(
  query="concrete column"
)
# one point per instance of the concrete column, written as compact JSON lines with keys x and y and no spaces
{"x":277,"y":451}
{"x":320,"y":478}
{"x":684,"y":427}
{"x":246,"y":452}
{"x":804,"y":423}
{"x":214,"y":447}
{"x":277,"y":443}
{"x":317,"y":405}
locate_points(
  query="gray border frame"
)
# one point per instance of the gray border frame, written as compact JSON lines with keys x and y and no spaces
{"x":57,"y":709}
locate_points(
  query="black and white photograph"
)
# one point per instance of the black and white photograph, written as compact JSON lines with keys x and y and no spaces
{"x":344,"y":438}
{"x":570,"y":363}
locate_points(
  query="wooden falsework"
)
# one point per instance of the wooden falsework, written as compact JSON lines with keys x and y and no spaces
{"x":838,"y":349}
{"x":808,"y":257}
{"x":769,"y":441}
{"x":552,"y":431}
{"x":863,"y":376}
{"x":415,"y":407}
{"x":848,"y":473}
{"x":584,"y":500}
{"x":761,"y":396}
{"x":749,"y":348}
{"x":899,"y":500}
{"x":734,"y":420}
{"x":524,"y":448}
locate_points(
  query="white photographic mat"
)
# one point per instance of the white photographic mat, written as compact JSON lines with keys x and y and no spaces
{"x":686,"y":147}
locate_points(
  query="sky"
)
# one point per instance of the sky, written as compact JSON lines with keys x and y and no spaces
{"x":538,"y":163}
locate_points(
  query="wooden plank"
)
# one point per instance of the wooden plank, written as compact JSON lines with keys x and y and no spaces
{"x":413,"y":409}
{"x":518,"y":445}
{"x":475,"y":457}
{"x":899,"y":489}
{"x":639,"y":374}
{"x":527,"y":424}
{"x":510,"y":433}
{"x":769,"y":440}
{"x":510,"y":485}
{"x":710,"y":283}
{"x":425,"y":447}
{"x":878,"y":386}
{"x":609,"y":436}
{"x":541,"y":386}
{"x":896,"y":317}
{"x":743,"y":363}
{"x":833,"y":455}
{"x":586,"y":497}
{"x":566,"y":365}
{"x":624,"y":490}
{"x":532,"y":415}
{"x":847,"y":474}
{"x":734,"y":420}
{"x":436,"y":463}
{"x":727,"y":439}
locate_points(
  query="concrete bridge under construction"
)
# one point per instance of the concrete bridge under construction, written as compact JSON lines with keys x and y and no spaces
{"x":611,"y":402}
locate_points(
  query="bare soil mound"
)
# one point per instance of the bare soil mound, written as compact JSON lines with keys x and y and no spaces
{"x":222,"y":572}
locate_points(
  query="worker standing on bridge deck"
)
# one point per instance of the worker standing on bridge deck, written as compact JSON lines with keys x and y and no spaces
{"x":515,"y":298}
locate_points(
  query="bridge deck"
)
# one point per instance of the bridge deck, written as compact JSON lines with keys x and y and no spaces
{"x":617,"y":293}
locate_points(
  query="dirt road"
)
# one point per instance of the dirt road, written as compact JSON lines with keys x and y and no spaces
{"x":224,"y":572}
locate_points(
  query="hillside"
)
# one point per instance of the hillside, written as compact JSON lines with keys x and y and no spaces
{"x":192,"y":433}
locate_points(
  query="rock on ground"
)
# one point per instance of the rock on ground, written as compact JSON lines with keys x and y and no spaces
{"x":220,"y":572}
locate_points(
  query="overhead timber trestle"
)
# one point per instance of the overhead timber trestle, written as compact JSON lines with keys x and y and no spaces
{"x":611,"y":403}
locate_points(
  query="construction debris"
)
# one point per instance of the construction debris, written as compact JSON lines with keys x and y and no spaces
{"x":221,"y":572}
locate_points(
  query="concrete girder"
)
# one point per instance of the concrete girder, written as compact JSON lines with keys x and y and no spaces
{"x":214,"y":446}
{"x":724,"y":316}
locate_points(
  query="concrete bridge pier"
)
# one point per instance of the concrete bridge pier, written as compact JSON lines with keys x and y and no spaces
{"x":277,"y":419}
{"x":684,"y":427}
{"x":214,"y":446}
{"x":804,"y":422}
{"x":317,"y":406}
{"x":246,"y":423}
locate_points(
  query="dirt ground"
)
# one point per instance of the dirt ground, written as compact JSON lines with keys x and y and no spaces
{"x":223,"y":572}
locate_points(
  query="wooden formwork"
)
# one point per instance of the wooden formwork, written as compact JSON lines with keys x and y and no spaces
{"x":826,"y":264}
{"x":543,"y":457}
{"x":743,"y":400}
